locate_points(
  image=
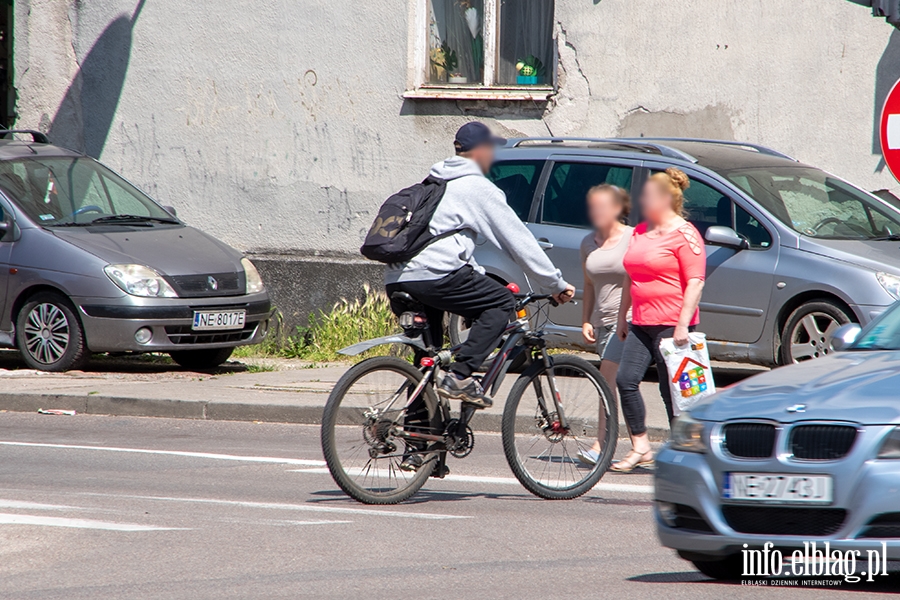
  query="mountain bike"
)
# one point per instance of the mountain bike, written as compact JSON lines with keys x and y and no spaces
{"x":385,"y":409}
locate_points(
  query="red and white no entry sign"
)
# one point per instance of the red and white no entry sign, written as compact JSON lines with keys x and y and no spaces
{"x":890,"y":130}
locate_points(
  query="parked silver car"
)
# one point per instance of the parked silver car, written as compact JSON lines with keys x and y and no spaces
{"x":89,"y":263}
{"x":794,"y":252}
{"x":809,"y":452}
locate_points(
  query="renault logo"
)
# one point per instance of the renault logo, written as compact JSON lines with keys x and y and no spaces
{"x":213,"y":284}
{"x":797,"y":408}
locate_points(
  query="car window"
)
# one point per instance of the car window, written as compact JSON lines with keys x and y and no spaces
{"x":72,"y":191}
{"x":564,"y":199}
{"x":816,"y":204}
{"x":518,"y":180}
{"x":749,"y":228}
{"x":706,"y":206}
{"x":123,"y":200}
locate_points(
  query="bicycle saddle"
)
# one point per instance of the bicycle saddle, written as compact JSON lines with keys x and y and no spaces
{"x":402,"y":302}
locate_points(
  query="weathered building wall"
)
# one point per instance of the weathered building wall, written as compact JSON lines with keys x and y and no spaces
{"x":279,"y":127}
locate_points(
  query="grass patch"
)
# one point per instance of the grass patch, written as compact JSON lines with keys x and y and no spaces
{"x":256,"y":368}
{"x":347,"y":323}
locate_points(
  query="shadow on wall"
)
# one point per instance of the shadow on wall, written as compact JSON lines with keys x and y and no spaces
{"x":85,"y":115}
{"x":886,"y":74}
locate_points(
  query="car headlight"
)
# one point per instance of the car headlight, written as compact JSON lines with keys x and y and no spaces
{"x":687,"y":434}
{"x":139,"y":280}
{"x":890,"y":448}
{"x":890,"y":283}
{"x":254,"y":281}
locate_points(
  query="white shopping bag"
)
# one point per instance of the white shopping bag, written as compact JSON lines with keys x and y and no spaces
{"x":690,"y":376}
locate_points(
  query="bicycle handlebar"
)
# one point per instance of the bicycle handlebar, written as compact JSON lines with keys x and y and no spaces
{"x":526,"y":299}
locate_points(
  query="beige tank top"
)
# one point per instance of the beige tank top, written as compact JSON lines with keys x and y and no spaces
{"x":605,"y":271}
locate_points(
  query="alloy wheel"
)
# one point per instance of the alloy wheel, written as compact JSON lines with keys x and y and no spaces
{"x":46,"y":333}
{"x":811,"y":337}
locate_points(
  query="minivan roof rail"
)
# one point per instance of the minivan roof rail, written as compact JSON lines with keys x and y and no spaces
{"x":36,"y":136}
{"x":636,"y":144}
{"x":757,"y":147}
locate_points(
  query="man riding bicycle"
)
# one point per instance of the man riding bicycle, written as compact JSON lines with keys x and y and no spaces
{"x":444,"y":276}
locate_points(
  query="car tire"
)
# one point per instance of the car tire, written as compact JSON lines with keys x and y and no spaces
{"x":201,"y":360}
{"x":807,"y":332}
{"x":726,"y":569}
{"x":458,"y":329}
{"x":49,"y":334}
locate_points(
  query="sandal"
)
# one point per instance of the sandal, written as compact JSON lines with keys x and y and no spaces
{"x":632,"y":461}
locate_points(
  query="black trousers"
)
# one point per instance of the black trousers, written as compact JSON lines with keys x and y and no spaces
{"x":473,"y":296}
{"x":642,"y":348}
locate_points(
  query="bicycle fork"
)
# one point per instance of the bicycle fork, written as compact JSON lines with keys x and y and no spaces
{"x":560,"y":424}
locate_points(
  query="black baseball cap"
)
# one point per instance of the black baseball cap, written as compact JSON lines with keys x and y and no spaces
{"x":474,"y":134}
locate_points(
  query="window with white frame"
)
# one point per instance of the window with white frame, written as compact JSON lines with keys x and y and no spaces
{"x":465,"y":45}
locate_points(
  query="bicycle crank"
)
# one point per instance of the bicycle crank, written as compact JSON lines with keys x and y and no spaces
{"x":459,"y":443}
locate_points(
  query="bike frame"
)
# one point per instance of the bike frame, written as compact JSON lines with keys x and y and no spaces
{"x":516,"y":332}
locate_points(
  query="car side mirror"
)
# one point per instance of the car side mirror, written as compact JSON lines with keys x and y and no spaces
{"x":844,"y":336}
{"x":171,"y":210}
{"x":717,"y":235}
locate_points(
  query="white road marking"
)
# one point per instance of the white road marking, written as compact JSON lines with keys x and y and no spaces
{"x":235,"y":457}
{"x":314,"y":522}
{"x":11,"y":519}
{"x":628,"y":488}
{"x":285,"y":506}
{"x":34,"y":505}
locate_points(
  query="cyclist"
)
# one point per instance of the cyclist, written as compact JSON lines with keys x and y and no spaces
{"x":444,"y":276}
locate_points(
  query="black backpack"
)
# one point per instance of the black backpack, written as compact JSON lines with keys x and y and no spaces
{"x":400,"y":230}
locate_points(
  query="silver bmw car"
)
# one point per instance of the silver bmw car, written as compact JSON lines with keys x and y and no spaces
{"x":805,"y":453}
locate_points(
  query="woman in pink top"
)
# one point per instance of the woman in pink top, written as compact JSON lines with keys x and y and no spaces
{"x":665,"y":268}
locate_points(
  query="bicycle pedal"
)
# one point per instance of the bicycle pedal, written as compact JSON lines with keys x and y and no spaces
{"x":439,"y":473}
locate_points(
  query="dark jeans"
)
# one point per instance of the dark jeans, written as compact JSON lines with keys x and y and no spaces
{"x":473,"y":296}
{"x":642,"y":348}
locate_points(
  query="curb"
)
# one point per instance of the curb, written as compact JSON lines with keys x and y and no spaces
{"x":217,"y":411}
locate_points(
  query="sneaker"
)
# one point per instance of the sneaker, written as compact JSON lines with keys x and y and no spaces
{"x":468,"y":390}
{"x":589,"y":457}
{"x":411,"y":463}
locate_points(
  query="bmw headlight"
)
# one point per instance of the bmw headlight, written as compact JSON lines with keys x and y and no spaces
{"x":139,"y":280}
{"x":687,"y":434}
{"x":254,"y":281}
{"x":890,"y":283}
{"x":890,"y":448}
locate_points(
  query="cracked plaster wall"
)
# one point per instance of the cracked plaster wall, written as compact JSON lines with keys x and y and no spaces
{"x":280,"y":129}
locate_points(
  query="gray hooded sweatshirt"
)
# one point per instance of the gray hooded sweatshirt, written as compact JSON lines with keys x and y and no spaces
{"x":477,"y":208}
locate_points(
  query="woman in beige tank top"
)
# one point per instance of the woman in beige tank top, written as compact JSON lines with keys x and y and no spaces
{"x":601,"y":256}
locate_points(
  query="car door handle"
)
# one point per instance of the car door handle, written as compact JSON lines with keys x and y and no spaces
{"x":544,"y":243}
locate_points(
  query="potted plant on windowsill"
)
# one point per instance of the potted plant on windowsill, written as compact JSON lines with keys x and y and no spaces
{"x":446,"y":63}
{"x":529,"y":70}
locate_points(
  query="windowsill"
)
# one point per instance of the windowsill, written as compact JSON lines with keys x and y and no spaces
{"x":535,"y":93}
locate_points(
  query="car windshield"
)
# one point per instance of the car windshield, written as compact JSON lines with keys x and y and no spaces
{"x":66,"y":191}
{"x":882,"y":334}
{"x":817,"y":204}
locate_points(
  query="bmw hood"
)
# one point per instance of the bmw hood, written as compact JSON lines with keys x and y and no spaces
{"x":169,"y":250}
{"x":856,"y":386}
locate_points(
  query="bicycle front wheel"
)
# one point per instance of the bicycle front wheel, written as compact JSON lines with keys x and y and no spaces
{"x":365,"y":427}
{"x":542,"y":451}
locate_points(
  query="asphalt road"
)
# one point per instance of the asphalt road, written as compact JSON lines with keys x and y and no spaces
{"x":116,"y":507}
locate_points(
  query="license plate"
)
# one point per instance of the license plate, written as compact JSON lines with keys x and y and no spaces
{"x":220,"y":319}
{"x":778,"y":488}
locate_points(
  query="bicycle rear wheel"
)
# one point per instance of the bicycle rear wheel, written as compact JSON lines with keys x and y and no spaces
{"x":543,"y":455}
{"x":363,"y":425}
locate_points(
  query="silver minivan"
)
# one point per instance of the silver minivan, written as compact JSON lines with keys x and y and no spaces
{"x":793,"y":252}
{"x":89,"y":263}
